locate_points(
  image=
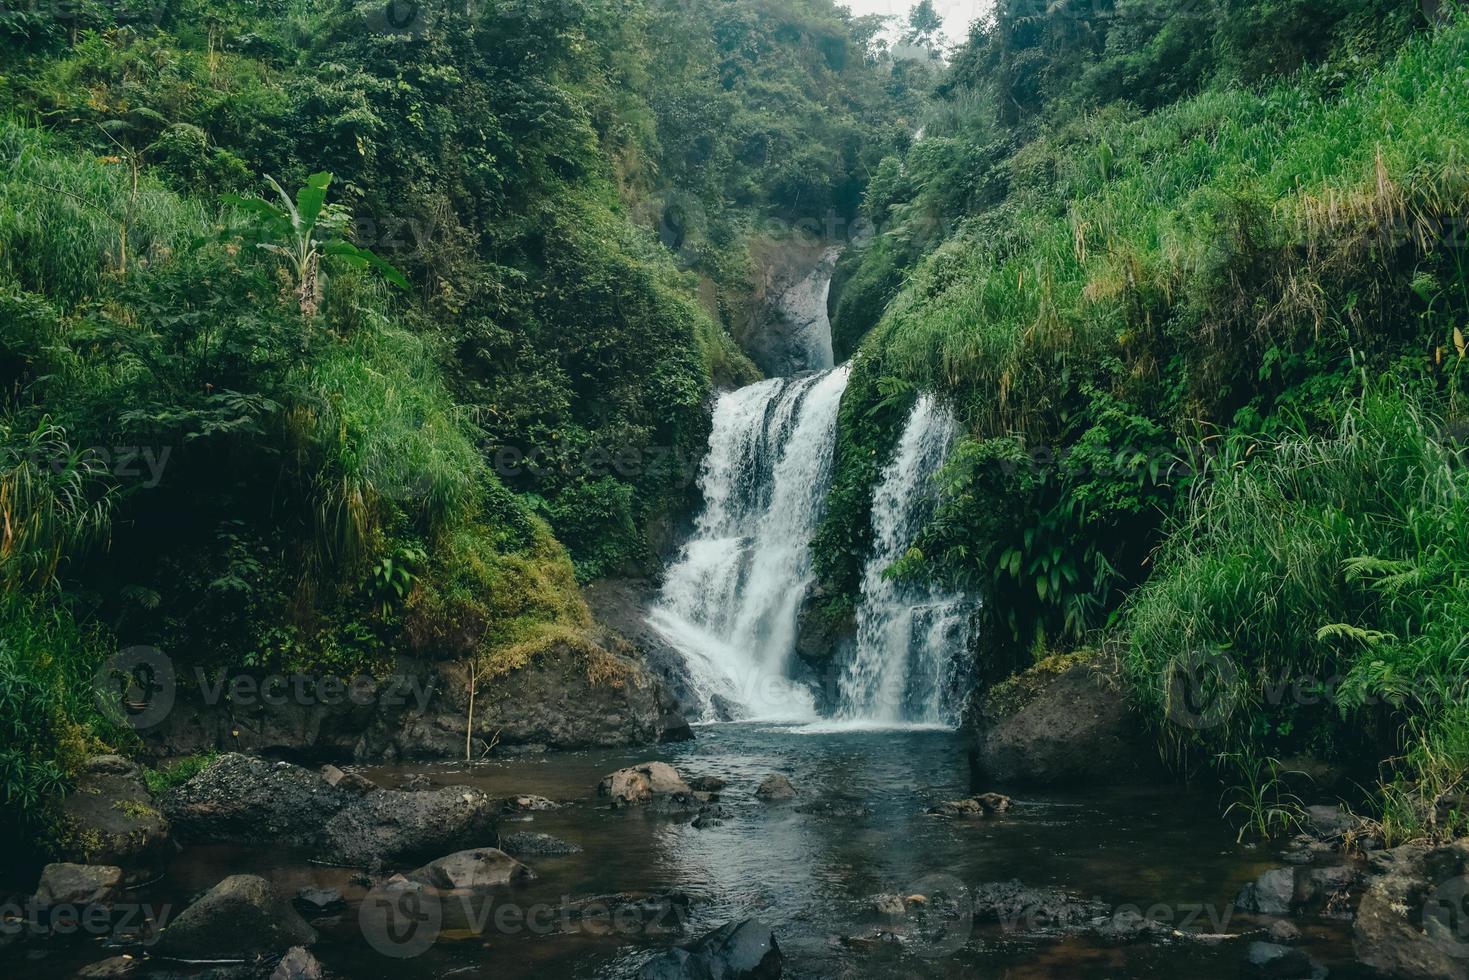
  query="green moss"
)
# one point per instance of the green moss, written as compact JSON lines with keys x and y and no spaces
{"x":1012,"y":694}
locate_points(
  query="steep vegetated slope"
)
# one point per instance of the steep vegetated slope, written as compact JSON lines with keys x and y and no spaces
{"x":1195,"y":278}
{"x":415,"y":404}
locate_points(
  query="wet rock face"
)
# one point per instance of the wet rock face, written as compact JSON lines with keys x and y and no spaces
{"x":789,"y":331}
{"x":553,"y":702}
{"x":1076,"y":728}
{"x":745,"y":950}
{"x":238,"y":799}
{"x":1411,"y":924}
{"x":421,"y":713}
{"x":623,"y":604}
{"x":110,"y":818}
{"x":239,"y":918}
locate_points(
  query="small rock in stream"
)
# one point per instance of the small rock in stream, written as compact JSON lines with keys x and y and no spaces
{"x":1277,"y":962}
{"x":735,"y":951}
{"x":319,"y":901}
{"x":775,"y":787}
{"x":530,"y":804}
{"x":707,"y":784}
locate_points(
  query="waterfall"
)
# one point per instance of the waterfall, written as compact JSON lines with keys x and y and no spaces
{"x":911,"y":638}
{"x":730,"y":601}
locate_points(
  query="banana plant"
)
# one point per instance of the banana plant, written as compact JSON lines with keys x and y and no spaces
{"x":303,"y":230}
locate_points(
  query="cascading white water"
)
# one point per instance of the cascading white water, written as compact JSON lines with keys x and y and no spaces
{"x":729,"y":603}
{"x":911,"y":639}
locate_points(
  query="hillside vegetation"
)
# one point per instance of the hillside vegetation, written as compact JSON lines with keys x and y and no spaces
{"x":1205,"y":326}
{"x":328,"y":337}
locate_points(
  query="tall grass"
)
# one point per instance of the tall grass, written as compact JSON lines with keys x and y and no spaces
{"x":1341,"y":559}
{"x":67,"y":223}
{"x":1229,"y":217}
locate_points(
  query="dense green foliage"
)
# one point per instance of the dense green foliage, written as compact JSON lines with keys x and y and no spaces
{"x":1151,"y":280}
{"x":328,"y":337}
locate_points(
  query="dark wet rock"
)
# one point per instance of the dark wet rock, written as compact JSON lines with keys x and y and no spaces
{"x":536,"y":845}
{"x":1305,"y":849}
{"x":1283,"y":932}
{"x":745,"y":950}
{"x":1332,"y":824}
{"x":1270,"y":894}
{"x":555,"y":701}
{"x":622,"y":604}
{"x":822,"y":634}
{"x":1018,"y":906}
{"x":1325,"y":890}
{"x":710,"y":815}
{"x":622,"y":913}
{"x":390,"y":825}
{"x":890,"y":906}
{"x":1409,"y":924}
{"x":775,"y":787}
{"x":470,"y":871}
{"x":239,"y":918}
{"x":1282,"y":891}
{"x":110,"y":818}
{"x":640,"y":784}
{"x":786,"y":321}
{"x":297,"y":964}
{"x":592,"y":693}
{"x":835,"y":807}
{"x":984,"y":805}
{"x":1277,"y":962}
{"x":352,"y":782}
{"x":707,"y":784}
{"x":242,"y":799}
{"x":529,"y":804}
{"x":78,"y":884}
{"x":319,"y":901}
{"x":1060,"y":723}
{"x":416,"y":782}
{"x":239,"y":799}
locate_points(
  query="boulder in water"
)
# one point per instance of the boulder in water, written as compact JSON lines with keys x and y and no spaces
{"x":471,"y":871}
{"x":977,"y":806}
{"x":110,"y":818}
{"x":1063,"y":722}
{"x":394,"y":826}
{"x":297,"y":964}
{"x":775,"y":787}
{"x":640,"y":784}
{"x":735,"y":951}
{"x":239,"y":918}
{"x":1409,"y":924}
{"x":1277,"y":962}
{"x":78,"y":884}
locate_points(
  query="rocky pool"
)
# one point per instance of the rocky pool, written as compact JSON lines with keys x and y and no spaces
{"x":836,"y":882}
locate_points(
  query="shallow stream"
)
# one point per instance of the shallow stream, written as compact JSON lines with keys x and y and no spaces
{"x":812,"y":878}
